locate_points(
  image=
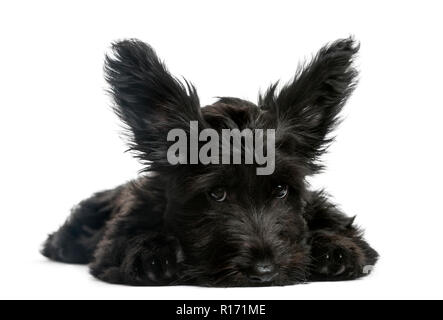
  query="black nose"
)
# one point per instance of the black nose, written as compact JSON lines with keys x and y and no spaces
{"x":262,"y":272}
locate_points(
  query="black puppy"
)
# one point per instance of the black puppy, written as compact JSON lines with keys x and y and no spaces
{"x":218,"y":224}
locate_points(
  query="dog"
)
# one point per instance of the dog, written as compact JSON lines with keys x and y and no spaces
{"x":220,"y":225}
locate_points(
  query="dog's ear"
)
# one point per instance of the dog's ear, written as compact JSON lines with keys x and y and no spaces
{"x":307,"y":109}
{"x":148,"y":99}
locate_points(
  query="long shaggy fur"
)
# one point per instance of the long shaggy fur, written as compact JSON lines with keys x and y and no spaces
{"x":165,"y":227}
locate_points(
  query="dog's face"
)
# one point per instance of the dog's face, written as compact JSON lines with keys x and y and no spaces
{"x":236,"y":227}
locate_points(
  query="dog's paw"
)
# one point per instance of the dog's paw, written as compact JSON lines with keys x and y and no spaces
{"x":336,"y":258}
{"x":157,"y":261}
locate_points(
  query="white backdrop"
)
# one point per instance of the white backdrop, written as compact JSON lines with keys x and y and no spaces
{"x":60,"y":141}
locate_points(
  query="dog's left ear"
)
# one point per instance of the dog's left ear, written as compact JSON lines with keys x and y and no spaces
{"x":307,"y":109}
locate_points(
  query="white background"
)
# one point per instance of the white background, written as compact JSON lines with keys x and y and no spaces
{"x":60,"y":141}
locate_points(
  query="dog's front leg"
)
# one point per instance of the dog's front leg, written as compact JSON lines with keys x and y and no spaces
{"x":149,"y":258}
{"x":338,"y":249}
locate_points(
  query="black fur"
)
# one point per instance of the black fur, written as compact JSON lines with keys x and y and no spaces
{"x":164,"y":228}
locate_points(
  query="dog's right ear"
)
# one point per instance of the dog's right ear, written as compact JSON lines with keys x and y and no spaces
{"x":148,"y":99}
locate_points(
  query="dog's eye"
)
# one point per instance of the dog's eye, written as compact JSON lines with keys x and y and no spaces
{"x":218,"y":194}
{"x":280,"y":191}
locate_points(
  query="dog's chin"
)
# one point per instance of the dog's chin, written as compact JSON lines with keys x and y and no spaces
{"x":239,"y":279}
{"x":243,"y":271}
{"x":244,"y":281}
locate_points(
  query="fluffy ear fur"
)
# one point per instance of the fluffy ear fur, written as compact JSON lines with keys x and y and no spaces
{"x":148,"y":99}
{"x":307,"y":109}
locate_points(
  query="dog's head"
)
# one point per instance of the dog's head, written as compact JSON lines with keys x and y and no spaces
{"x":236,"y":227}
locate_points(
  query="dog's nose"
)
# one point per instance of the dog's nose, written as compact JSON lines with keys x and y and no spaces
{"x":262,"y":272}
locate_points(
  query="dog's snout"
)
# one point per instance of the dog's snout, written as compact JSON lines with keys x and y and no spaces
{"x":262,"y":272}
{"x":264,"y":267}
